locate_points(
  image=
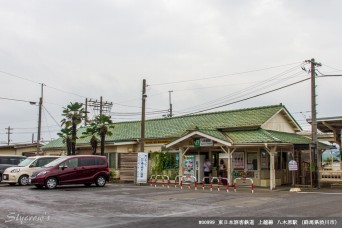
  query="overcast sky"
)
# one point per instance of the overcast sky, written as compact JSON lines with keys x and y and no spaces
{"x":208,"y":52}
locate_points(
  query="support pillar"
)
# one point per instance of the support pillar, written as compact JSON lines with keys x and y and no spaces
{"x":271,"y":151}
{"x":181,"y":161}
{"x":272,"y":172}
{"x":230,"y":165}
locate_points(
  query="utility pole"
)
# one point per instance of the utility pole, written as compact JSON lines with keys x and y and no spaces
{"x":103,"y":107}
{"x":9,"y":129}
{"x":86,"y":112}
{"x":40,"y":119}
{"x":142,"y":139}
{"x":314,"y":143}
{"x":170,"y":110}
{"x":101,"y":104}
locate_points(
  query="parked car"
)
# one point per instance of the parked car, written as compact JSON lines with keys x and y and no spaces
{"x":78,"y":169}
{"x":20,"y":174}
{"x":8,"y":161}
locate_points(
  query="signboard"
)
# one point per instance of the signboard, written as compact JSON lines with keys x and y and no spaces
{"x":197,"y":142}
{"x":189,"y":165}
{"x":142,"y":164}
{"x":293,"y":165}
{"x":157,"y":142}
{"x":203,"y":142}
{"x":264,"y":160}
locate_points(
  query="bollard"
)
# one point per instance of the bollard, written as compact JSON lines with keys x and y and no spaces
{"x":151,"y":180}
{"x":168,"y":180}
{"x":227,"y":183}
{"x":179,"y":179}
{"x":244,"y":179}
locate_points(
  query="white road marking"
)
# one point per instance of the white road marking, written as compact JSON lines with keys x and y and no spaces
{"x":325,"y":193}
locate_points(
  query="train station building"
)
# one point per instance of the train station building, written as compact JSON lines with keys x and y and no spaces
{"x":257,"y":143}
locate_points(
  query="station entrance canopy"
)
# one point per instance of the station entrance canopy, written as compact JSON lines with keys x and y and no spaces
{"x":331,"y":125}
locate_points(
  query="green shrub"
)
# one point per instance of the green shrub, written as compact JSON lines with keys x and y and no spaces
{"x":164,"y":163}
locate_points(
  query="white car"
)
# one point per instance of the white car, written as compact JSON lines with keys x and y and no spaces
{"x":20,"y":174}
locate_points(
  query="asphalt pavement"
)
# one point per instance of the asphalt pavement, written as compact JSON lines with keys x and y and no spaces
{"x":129,"y":205}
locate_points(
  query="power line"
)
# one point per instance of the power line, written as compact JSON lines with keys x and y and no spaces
{"x":246,"y":91}
{"x":334,"y":68}
{"x":137,"y":113}
{"x":12,"y":99}
{"x":17,"y":76}
{"x":29,"y":80}
{"x":240,"y":93}
{"x":51,"y":116}
{"x":226,"y":75}
{"x":248,"y":98}
{"x":332,"y":75}
{"x":64,"y":91}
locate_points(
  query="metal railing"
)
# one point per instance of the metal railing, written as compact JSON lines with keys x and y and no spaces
{"x":330,"y":175}
{"x":244,"y":179}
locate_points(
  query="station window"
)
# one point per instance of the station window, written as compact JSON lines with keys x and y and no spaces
{"x":112,"y":160}
{"x":252,"y":161}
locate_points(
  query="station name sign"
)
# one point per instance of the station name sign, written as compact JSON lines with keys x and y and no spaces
{"x":293,"y":166}
{"x":203,"y":142}
{"x":157,"y":142}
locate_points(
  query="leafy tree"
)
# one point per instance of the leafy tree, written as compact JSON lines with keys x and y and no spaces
{"x":65,"y":134}
{"x":93,"y":142}
{"x":73,"y":116}
{"x":100,"y":126}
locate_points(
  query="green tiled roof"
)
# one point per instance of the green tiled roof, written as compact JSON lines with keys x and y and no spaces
{"x":266,"y":136}
{"x":215,"y":133}
{"x":176,"y":126}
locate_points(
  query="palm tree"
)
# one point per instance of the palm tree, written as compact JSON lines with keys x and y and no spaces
{"x":73,"y":116}
{"x":101,"y":126}
{"x":65,"y":134}
{"x":93,"y":140}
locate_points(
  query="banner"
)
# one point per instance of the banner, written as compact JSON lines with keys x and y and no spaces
{"x":142,"y":165}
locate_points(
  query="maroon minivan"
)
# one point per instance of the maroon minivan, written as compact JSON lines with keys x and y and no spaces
{"x":77,"y":169}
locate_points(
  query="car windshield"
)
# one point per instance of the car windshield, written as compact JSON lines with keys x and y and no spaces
{"x":26,"y":162}
{"x":55,"y":162}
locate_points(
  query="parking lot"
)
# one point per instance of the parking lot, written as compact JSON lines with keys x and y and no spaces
{"x":128,"y":205}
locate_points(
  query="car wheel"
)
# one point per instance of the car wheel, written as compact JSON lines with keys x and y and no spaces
{"x":51,"y":183}
{"x":100,"y":181}
{"x":23,"y":180}
{"x":87,"y":184}
{"x":39,"y":186}
{"x":0,"y":177}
